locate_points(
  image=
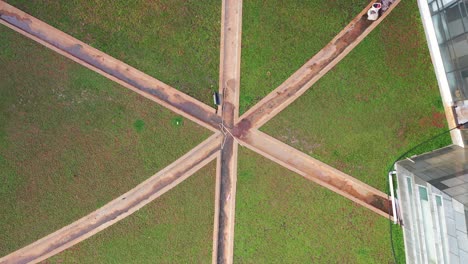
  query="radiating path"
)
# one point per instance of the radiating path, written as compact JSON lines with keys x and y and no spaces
{"x":313,"y":70}
{"x":318,"y":172}
{"x":229,"y":129}
{"x":120,"y":207}
{"x":229,"y":82}
{"x":108,"y":66}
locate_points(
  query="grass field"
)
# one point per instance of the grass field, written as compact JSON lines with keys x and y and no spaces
{"x":71,"y":140}
{"x":283,"y":218}
{"x":278,"y":37}
{"x":378,"y":102}
{"x":65,"y":131}
{"x":173,"y":40}
{"x":175,"y":228}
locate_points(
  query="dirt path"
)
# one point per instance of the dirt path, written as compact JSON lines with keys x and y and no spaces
{"x":228,"y":130}
{"x":109,"y":67}
{"x":229,"y":82}
{"x":120,"y":207}
{"x":317,"y":171}
{"x":312,"y":70}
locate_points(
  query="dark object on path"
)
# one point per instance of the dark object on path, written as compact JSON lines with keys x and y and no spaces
{"x":216,"y":98}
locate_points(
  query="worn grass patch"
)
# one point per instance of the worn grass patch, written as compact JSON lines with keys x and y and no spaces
{"x":71,"y":140}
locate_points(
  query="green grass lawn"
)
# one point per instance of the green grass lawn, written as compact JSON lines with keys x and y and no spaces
{"x":284,"y":218}
{"x":175,"y":228}
{"x":71,"y":140}
{"x":278,"y":37}
{"x":380,"y":101}
{"x":175,"y":41}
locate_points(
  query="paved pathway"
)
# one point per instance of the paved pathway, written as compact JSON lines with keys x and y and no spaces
{"x":229,"y":83}
{"x":229,"y":130}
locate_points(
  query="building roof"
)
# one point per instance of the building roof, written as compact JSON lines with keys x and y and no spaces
{"x":445,"y":168}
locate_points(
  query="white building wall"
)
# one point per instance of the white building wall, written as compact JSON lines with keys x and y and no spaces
{"x":438,"y":237}
{"x":457,"y":136}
